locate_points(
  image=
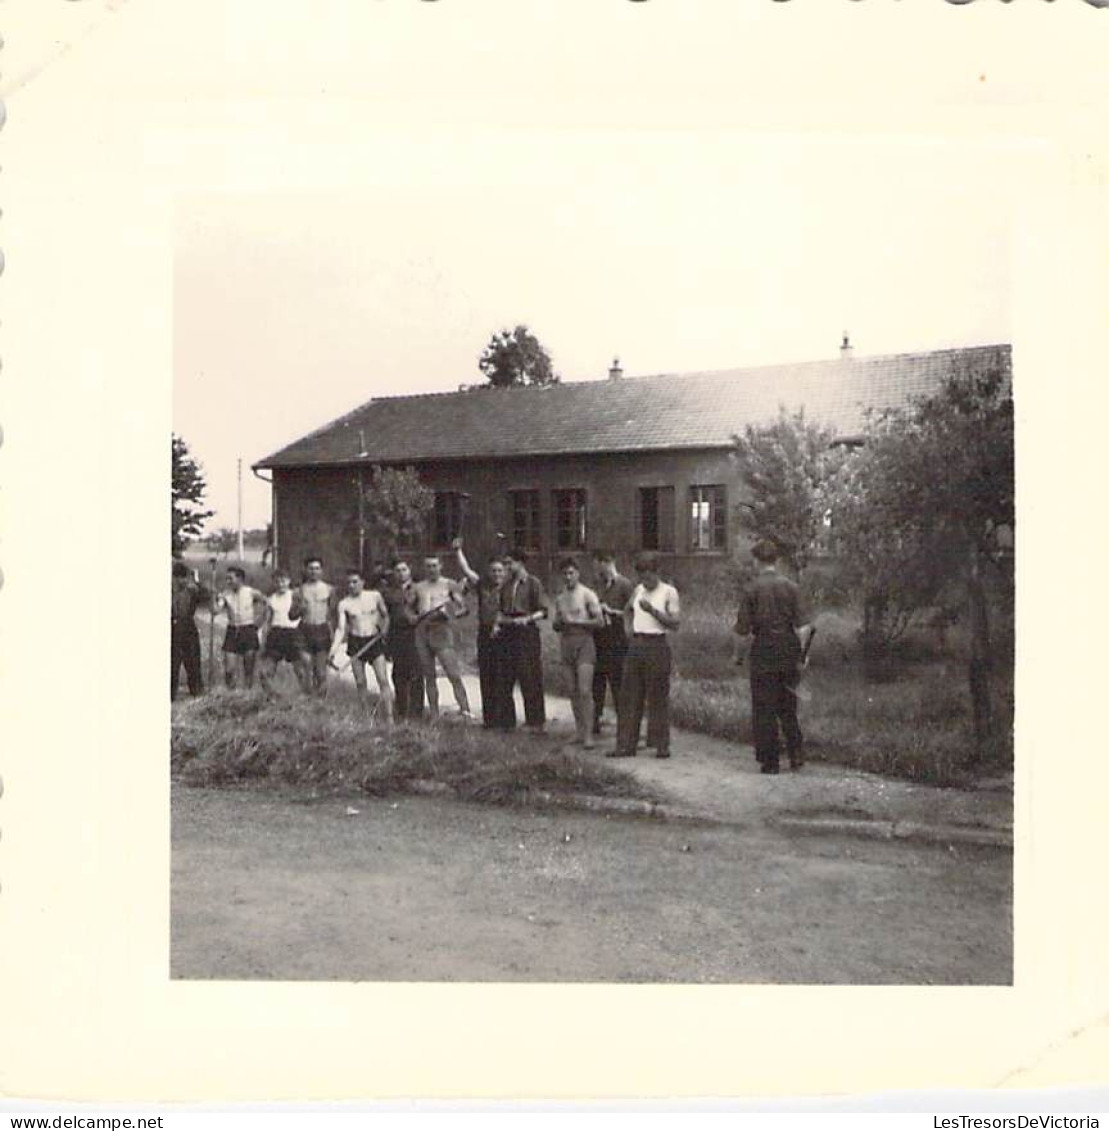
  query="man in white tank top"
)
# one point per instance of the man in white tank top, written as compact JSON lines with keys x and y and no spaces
{"x":281,"y":633}
{"x":653,"y":612}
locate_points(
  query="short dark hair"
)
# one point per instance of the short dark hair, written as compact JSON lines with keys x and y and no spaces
{"x":354,"y":571}
{"x":517,"y":554}
{"x":604,"y":556}
{"x":313,"y":558}
{"x":648,"y":560}
{"x":569,"y":562}
{"x":237,"y":570}
{"x":765,"y":550}
{"x":180,"y":569}
{"x":280,"y":571}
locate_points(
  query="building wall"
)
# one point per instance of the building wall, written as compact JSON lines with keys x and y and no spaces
{"x":317,"y":510}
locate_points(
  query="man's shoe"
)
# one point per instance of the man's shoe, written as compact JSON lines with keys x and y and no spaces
{"x":768,"y":768}
{"x":795,"y":764}
{"x":618,"y":753}
{"x":662,"y":753}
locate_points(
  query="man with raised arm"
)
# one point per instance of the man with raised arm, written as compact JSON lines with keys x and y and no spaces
{"x":498,"y":709}
{"x":438,"y":601}
{"x":577,"y":615}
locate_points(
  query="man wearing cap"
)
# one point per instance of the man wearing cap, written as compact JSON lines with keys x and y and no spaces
{"x":653,"y":611}
{"x":771,"y":614}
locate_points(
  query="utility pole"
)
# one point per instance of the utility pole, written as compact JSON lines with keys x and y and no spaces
{"x":241,"y":554}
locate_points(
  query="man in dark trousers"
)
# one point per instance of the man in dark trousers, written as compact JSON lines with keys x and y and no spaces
{"x":523,"y":606}
{"x":772,"y":615}
{"x":653,"y":611}
{"x":184,"y":640}
{"x":408,"y":676}
{"x":614,"y":591}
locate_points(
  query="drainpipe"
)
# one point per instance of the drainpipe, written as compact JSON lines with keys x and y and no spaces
{"x":273,"y":513}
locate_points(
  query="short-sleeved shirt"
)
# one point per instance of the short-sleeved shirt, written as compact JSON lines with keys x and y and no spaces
{"x":664,"y":598}
{"x":772,"y":610}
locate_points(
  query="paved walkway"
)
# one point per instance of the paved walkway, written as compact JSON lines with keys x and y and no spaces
{"x":720,"y":781}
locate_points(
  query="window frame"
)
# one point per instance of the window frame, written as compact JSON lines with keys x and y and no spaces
{"x":715,"y":495}
{"x":535,"y":522}
{"x":578,"y":526}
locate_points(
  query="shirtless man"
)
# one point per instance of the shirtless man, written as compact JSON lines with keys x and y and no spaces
{"x":437,"y":599}
{"x":363,"y":624}
{"x":577,"y":615}
{"x":281,"y":632}
{"x":316,"y":623}
{"x":241,"y":603}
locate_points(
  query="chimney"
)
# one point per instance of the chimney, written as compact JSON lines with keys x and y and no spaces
{"x":846,"y":349}
{"x":361,"y":442}
{"x":615,"y":372}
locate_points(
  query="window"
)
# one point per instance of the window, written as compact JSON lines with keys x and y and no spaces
{"x":708,"y":527}
{"x":446,"y":519}
{"x":656,"y":519}
{"x":524,"y":508}
{"x":569,"y":519}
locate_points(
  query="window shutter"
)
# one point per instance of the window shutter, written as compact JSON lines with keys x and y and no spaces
{"x":666,"y":520}
{"x":637,"y":519}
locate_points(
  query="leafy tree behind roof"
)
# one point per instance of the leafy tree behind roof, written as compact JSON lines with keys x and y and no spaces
{"x":517,"y":357}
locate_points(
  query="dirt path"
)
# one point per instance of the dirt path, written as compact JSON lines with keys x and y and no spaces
{"x":425,"y":889}
{"x":720,"y":779}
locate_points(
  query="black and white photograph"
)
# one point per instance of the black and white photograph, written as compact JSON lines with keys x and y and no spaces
{"x":632,"y":626}
{"x":603,"y":574}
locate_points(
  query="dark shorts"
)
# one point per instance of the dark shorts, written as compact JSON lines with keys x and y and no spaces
{"x":315,"y":638}
{"x":240,"y":639}
{"x":578,"y":647}
{"x":283,"y":644}
{"x":357,"y":643}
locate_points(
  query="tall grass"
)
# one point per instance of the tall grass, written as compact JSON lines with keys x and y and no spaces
{"x":333,"y":747}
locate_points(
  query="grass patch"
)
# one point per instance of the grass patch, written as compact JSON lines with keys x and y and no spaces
{"x":332,"y":747}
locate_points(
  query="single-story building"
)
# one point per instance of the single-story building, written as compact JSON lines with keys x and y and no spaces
{"x":627,"y":463}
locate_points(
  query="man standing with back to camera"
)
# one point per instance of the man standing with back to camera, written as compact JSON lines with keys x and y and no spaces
{"x":771,"y":613}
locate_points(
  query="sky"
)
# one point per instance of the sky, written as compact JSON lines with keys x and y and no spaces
{"x":676,"y":250}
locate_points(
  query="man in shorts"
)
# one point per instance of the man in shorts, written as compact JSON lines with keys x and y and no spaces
{"x":363,"y":624}
{"x":438,"y":599}
{"x":316,"y":624}
{"x":614,"y":591}
{"x":577,"y":615}
{"x":281,"y":633}
{"x":242,"y":605}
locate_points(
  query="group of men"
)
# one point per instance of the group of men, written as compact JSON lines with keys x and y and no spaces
{"x":613,"y":640}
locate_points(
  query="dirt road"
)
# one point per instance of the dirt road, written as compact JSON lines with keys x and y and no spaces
{"x":425,"y":889}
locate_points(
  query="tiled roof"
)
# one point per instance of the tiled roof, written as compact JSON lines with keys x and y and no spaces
{"x":681,"y":410}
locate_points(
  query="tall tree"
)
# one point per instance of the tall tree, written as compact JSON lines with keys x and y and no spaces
{"x":784,"y":466}
{"x":516,"y":357}
{"x":188,"y":488}
{"x":394,"y":508}
{"x":919,"y":510}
